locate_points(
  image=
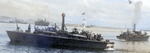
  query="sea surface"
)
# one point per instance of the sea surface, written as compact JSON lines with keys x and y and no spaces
{"x":120,"y":46}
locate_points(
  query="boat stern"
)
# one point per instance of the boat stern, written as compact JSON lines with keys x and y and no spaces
{"x":109,"y":46}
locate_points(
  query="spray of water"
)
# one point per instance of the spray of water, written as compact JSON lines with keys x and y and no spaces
{"x":137,"y":12}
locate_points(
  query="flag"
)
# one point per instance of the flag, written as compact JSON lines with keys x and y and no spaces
{"x":130,"y":2}
{"x":83,"y":13}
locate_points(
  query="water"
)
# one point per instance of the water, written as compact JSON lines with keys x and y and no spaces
{"x":121,"y":46}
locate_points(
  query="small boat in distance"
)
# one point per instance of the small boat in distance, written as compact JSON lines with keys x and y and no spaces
{"x":53,"y":37}
{"x":133,"y":35}
{"x":41,"y":22}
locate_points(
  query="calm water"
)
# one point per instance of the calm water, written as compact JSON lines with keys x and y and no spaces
{"x":120,"y":46}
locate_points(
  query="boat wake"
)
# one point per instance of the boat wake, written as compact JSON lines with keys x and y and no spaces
{"x":110,"y":49}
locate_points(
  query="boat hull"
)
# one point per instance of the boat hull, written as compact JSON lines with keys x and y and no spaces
{"x":41,"y":23}
{"x":137,"y":38}
{"x":134,"y":38}
{"x":50,"y":40}
{"x":121,"y":37}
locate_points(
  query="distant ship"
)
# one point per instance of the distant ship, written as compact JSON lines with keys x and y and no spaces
{"x":14,"y":21}
{"x":18,"y":21}
{"x":133,"y":35}
{"x":53,"y":37}
{"x":41,"y":22}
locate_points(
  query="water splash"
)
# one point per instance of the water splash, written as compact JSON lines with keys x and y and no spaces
{"x":137,"y":12}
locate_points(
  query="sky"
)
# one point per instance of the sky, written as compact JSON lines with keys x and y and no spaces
{"x":105,"y":13}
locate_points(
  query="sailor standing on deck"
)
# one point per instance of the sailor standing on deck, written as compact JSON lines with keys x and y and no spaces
{"x":18,"y":28}
{"x":29,"y":28}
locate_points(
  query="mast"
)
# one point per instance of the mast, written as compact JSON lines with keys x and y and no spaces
{"x":84,"y":21}
{"x":63,"y":21}
{"x":134,"y":29}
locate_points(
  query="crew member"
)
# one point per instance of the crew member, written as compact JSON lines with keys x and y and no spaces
{"x":29,"y":28}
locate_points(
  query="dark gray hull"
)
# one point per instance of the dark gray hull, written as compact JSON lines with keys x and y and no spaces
{"x":41,"y":23}
{"x":49,"y":40}
{"x":121,"y":37}
{"x":134,"y":38}
{"x":137,"y":38}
